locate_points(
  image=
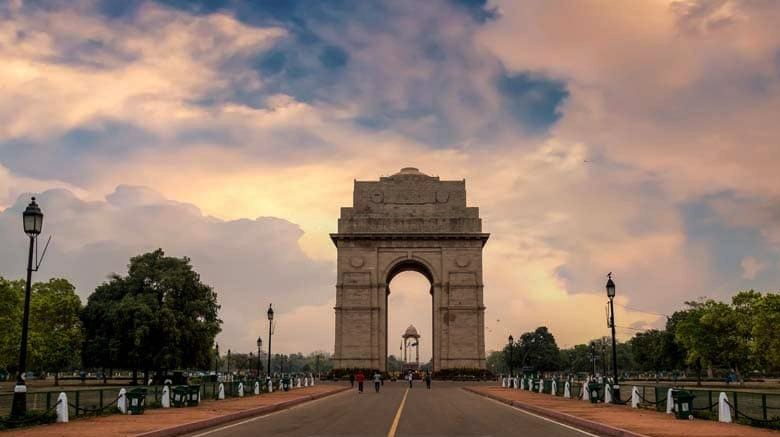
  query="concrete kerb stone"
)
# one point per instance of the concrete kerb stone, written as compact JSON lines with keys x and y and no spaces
{"x":186,"y":428}
{"x":568,"y":419}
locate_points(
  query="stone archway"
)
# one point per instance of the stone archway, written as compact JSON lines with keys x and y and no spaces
{"x":409,"y":221}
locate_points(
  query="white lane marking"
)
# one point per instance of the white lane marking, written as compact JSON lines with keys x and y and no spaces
{"x":273,"y":413}
{"x":535,"y":415}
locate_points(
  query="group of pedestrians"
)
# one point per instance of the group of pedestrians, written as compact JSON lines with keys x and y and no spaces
{"x":379,"y":382}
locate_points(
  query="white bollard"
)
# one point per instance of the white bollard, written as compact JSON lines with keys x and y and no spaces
{"x":503,"y":382}
{"x":270,"y":386}
{"x":62,"y":408}
{"x":669,"y":402}
{"x":121,"y":403}
{"x":634,"y":397}
{"x":299,"y":382}
{"x":554,"y":389}
{"x":281,"y":386}
{"x":150,"y":382}
{"x":312,"y":379}
{"x":257,"y":388}
{"x":241,"y":389}
{"x":305,"y":382}
{"x":166,"y":397}
{"x":724,"y":411}
{"x":221,"y":393}
{"x":522,"y":384}
{"x":585,"y":394}
{"x":567,"y":390}
{"x":541,"y":386}
{"x":607,"y":394}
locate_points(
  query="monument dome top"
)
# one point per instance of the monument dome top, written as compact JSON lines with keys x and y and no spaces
{"x":411,"y":331}
{"x":410,"y":171}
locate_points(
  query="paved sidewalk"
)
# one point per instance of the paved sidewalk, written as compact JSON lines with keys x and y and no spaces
{"x":171,"y":421}
{"x":636,"y":421}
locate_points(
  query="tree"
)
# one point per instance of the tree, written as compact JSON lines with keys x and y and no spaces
{"x":55,"y":324}
{"x":715,"y":334}
{"x":11,"y":301}
{"x":158,"y":317}
{"x":55,"y":331}
{"x":538,"y":350}
{"x":765,"y":348}
{"x":576,"y":359}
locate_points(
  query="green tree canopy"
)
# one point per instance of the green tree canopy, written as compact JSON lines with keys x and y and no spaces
{"x":160,"y":316}
{"x":55,"y":331}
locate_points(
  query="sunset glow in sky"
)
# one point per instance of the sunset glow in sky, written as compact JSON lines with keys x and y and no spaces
{"x":638,"y":137}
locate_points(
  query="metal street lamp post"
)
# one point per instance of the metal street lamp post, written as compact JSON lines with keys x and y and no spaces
{"x":216,"y":363}
{"x":511,"y":346}
{"x":228,"y":364}
{"x":32,"y":220}
{"x":615,"y":382}
{"x":270,"y":333}
{"x":259,"y":345}
{"x":593,"y":356}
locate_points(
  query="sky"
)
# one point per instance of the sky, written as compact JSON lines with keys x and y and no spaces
{"x":639,"y":138}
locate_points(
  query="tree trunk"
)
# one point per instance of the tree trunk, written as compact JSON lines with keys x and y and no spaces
{"x":146,"y":376}
{"x":739,"y":375}
{"x":135,"y":377}
{"x":56,"y":378}
{"x":105,"y":376}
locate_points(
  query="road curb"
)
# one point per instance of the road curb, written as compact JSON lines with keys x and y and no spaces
{"x":186,"y":428}
{"x":578,"y":422}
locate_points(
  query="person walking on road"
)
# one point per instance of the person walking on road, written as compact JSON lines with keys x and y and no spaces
{"x":352,"y":380}
{"x":360,"y":379}
{"x":428,"y":380}
{"x":377,"y":380}
{"x":410,"y":377}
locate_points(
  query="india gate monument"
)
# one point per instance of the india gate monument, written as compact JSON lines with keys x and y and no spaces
{"x":409,"y":221}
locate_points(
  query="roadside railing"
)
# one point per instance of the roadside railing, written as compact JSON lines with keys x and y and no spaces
{"x":103,"y":400}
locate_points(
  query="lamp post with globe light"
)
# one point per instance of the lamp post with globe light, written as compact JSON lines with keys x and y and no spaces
{"x":32,"y":221}
{"x":615,"y":382}
{"x":511,"y":346}
{"x":270,"y":314}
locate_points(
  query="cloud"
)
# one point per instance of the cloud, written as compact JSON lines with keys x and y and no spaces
{"x":247,"y":261}
{"x":751,"y":267}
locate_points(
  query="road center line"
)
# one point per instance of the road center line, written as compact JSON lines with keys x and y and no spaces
{"x":391,"y":433}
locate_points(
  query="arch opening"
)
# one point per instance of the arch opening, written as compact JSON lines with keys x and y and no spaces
{"x":409,"y":307}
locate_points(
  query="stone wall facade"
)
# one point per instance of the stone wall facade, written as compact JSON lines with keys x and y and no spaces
{"x":409,"y":221}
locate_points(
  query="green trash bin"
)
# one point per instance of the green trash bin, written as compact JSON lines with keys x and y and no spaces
{"x":683,"y":404}
{"x":136,"y":399}
{"x":179,"y":396}
{"x":193,"y":395}
{"x":594,"y":392}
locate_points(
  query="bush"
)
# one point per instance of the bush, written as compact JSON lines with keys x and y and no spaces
{"x":464,"y":374}
{"x":32,"y":418}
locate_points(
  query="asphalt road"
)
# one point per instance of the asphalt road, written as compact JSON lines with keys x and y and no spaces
{"x":444,"y":410}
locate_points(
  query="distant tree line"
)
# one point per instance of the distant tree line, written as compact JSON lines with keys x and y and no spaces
{"x":158,"y":317}
{"x":708,"y":335}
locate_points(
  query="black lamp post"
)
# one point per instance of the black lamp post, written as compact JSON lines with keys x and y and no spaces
{"x":615,"y":382}
{"x":32,"y":220}
{"x":259,"y":345}
{"x":511,"y":346}
{"x":593,"y":356}
{"x":216,"y":363}
{"x":228,"y":364}
{"x":270,"y":333}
